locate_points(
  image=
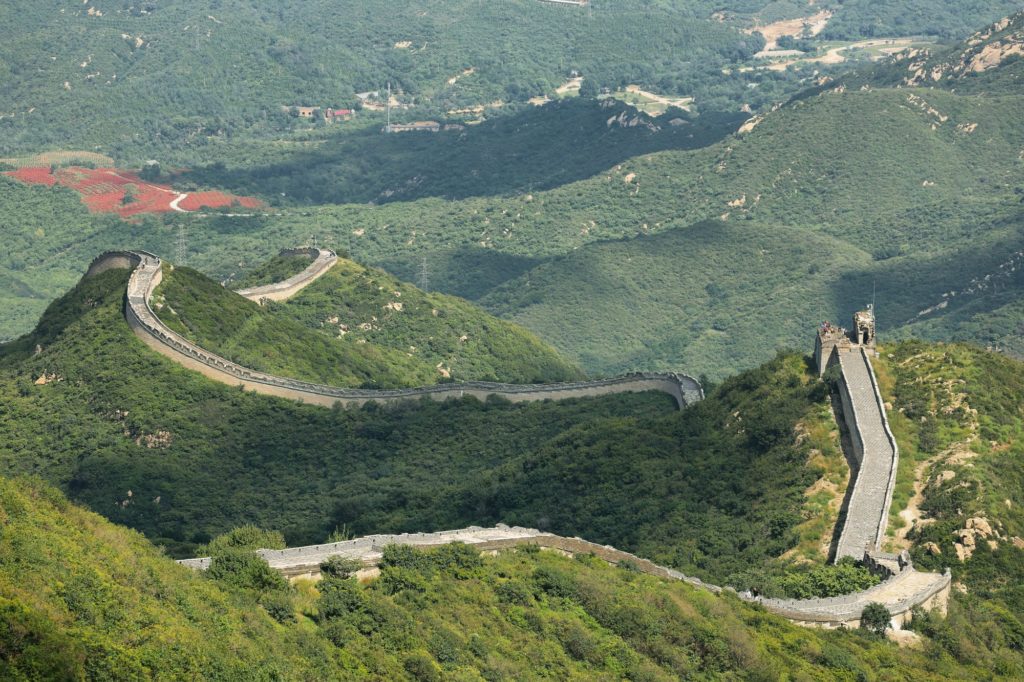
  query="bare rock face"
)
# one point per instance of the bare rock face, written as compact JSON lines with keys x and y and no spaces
{"x":932,"y":548}
{"x":980,"y":526}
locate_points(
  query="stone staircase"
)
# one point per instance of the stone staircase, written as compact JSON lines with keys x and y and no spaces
{"x":868,"y":508}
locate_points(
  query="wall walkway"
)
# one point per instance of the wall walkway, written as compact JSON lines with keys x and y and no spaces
{"x":900,"y":592}
{"x":323,"y":260}
{"x":875,"y":452}
{"x":147,"y":273}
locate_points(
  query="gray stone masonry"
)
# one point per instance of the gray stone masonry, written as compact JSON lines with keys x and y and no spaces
{"x":868,"y":507}
{"x":148,"y":273}
{"x":323,"y":260}
{"x":900,"y":592}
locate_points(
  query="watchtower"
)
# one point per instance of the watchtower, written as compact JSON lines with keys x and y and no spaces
{"x":864,"y":327}
{"x":830,"y":338}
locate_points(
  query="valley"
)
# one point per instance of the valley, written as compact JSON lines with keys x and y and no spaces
{"x":452,"y":340}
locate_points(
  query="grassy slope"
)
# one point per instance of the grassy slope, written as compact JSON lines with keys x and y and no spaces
{"x":84,"y":598}
{"x":200,"y":457}
{"x":959,"y":420}
{"x":442,"y":331}
{"x":244,"y":332}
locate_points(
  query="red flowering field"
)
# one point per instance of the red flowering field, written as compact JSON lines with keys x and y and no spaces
{"x":197,"y":200}
{"x":36,"y":176}
{"x":103,"y":191}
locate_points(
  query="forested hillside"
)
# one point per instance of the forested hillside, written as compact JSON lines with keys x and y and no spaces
{"x":912,"y":193}
{"x":84,"y":599}
{"x":82,"y":74}
{"x":226,"y":68}
{"x":357,"y":328}
{"x":99,"y":414}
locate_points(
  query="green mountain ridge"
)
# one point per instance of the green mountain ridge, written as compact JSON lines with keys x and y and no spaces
{"x":175,"y":438}
{"x":719,"y":490}
{"x":82,"y":598}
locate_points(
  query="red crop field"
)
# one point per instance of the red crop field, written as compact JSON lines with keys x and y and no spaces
{"x":103,"y":190}
{"x":197,"y":200}
{"x":36,"y":176}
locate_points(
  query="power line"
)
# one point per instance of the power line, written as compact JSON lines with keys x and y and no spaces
{"x":182,"y":244}
{"x":424,"y":279}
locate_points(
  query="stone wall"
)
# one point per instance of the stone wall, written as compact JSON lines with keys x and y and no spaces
{"x":874,"y":451}
{"x":148,"y":327}
{"x":323,"y":260}
{"x":902,"y":590}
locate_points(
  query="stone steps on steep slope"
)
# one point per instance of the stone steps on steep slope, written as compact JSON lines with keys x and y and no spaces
{"x":868,"y":501}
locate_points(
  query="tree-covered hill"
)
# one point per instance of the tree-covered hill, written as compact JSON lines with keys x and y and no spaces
{"x":533,"y":149}
{"x":368,"y":306}
{"x":83,"y":74}
{"x":82,"y":598}
{"x":913,"y":193}
{"x":99,"y":414}
{"x":720,"y":490}
{"x":357,"y":327}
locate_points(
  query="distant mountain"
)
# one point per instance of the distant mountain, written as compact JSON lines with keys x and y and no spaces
{"x":174,"y":77}
{"x":989,"y":61}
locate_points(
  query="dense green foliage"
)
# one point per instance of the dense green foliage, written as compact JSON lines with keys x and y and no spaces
{"x":376,"y":331}
{"x":363,"y":305}
{"x":867,"y":19}
{"x":535,"y":149}
{"x":912,"y":193}
{"x":81,"y":74}
{"x":697,"y":489}
{"x":226,"y":67}
{"x":277,"y":269}
{"x":84,"y":599}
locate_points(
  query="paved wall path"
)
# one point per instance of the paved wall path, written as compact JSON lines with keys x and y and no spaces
{"x":867,"y":511}
{"x":147,"y":273}
{"x":899,"y":592}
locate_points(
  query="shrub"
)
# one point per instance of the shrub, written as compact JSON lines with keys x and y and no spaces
{"x":875,"y":617}
{"x":279,"y":605}
{"x":339,"y":567}
{"x":244,"y":569}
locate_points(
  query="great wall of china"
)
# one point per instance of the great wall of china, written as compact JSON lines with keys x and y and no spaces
{"x":874,"y":454}
{"x":147,"y":273}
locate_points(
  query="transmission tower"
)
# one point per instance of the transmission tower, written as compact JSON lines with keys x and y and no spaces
{"x":424,"y":279}
{"x":182,"y":244}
